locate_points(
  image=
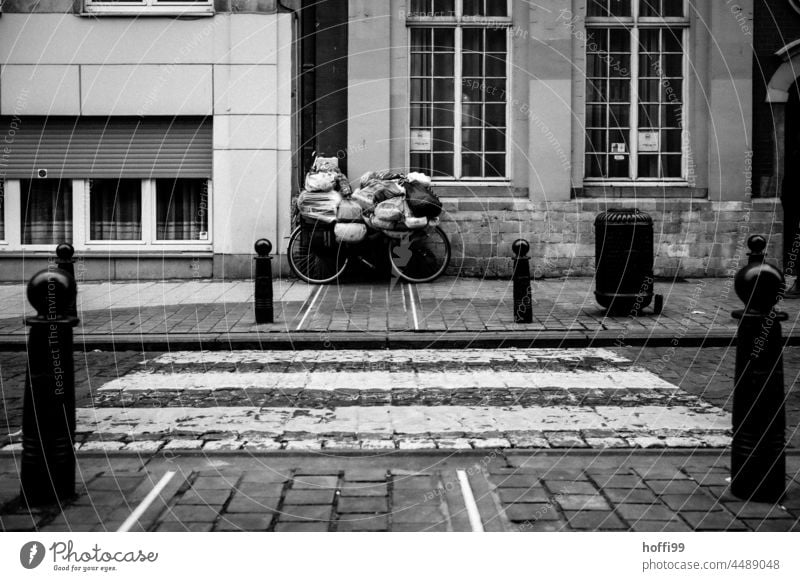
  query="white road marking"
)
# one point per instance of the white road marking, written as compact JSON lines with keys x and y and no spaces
{"x":310,"y":306}
{"x":635,"y":379}
{"x":145,"y":504}
{"x":469,"y":501}
{"x":416,"y":421}
{"x":393,"y":356}
{"x":413,"y":307}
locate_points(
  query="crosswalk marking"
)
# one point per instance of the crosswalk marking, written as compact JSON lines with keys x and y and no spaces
{"x":385,"y":421}
{"x":375,"y":357}
{"x":387,"y":380}
{"x":363,"y":399}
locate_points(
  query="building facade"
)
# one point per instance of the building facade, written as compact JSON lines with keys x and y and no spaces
{"x":534,"y":117}
{"x":531,"y":117}
{"x":154,"y":136}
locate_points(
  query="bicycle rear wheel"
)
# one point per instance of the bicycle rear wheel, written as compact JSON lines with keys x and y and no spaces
{"x":314,"y":255}
{"x":421,"y":256}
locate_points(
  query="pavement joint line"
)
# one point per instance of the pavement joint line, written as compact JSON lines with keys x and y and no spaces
{"x":473,"y":513}
{"x":309,"y":308}
{"x":413,"y":307}
{"x":145,"y":504}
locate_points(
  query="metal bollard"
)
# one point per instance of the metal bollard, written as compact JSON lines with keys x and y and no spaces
{"x":758,"y":458}
{"x":48,"y":416}
{"x":264,"y":308}
{"x":523,"y":311}
{"x":65,"y":262}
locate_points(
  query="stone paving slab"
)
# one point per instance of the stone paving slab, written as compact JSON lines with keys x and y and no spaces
{"x":218,"y":313}
{"x":557,"y":491}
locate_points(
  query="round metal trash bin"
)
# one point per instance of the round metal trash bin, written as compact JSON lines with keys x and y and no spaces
{"x":624,"y":261}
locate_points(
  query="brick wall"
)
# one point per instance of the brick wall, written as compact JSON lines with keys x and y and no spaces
{"x":692,"y":238}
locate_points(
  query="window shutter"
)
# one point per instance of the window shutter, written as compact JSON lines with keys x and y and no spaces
{"x":96,"y":147}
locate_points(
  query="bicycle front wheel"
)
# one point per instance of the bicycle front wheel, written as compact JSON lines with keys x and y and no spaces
{"x":314,"y":256}
{"x":420,"y":256}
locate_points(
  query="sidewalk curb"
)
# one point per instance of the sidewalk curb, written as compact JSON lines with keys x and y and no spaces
{"x":402,"y":340}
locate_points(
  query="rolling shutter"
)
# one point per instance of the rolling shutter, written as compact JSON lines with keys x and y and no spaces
{"x":118,"y":147}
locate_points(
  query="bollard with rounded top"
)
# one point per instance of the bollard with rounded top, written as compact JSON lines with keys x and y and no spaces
{"x":64,"y":253}
{"x":758,"y":459}
{"x":263,"y":292}
{"x":523,"y":311}
{"x":48,"y":416}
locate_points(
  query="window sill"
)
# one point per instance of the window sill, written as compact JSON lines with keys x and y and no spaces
{"x":106,"y":254}
{"x":639,"y":191}
{"x":106,"y":10}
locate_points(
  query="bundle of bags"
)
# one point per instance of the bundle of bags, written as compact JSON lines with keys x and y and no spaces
{"x":325,"y":187}
{"x":385,"y":200}
{"x":398,"y":203}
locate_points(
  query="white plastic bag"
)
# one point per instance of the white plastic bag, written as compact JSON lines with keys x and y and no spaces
{"x":350,"y":233}
{"x":320,"y":181}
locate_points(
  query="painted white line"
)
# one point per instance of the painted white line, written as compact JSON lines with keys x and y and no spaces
{"x":635,"y":379}
{"x":145,"y":504}
{"x":413,"y":308}
{"x":412,"y":421}
{"x":597,"y":355}
{"x":310,"y":306}
{"x":469,"y":501}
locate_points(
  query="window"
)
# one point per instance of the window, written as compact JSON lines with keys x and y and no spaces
{"x":149,"y":6}
{"x":115,"y":209}
{"x":182,"y":209}
{"x":46,"y":206}
{"x":459,"y":89}
{"x":635,"y":101}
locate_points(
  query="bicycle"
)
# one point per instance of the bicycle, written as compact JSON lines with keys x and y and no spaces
{"x":416,"y":256}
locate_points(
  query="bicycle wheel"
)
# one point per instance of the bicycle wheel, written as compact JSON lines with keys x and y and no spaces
{"x":421,"y":256}
{"x":314,"y":256}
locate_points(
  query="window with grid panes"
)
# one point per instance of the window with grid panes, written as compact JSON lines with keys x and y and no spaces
{"x":635,"y":101}
{"x":459,"y":88}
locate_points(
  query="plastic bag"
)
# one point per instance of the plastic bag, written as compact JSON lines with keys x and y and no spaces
{"x":320,"y":181}
{"x":414,"y":223}
{"x":419,"y":178}
{"x":325,"y":164}
{"x":364,"y":198}
{"x":351,"y":233}
{"x":348,"y":210}
{"x":422,"y":201}
{"x":379,"y":224}
{"x":319,"y":205}
{"x":391,"y":210}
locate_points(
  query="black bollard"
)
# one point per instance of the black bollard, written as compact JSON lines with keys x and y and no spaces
{"x":48,"y":416}
{"x":523,"y":311}
{"x":65,"y":262}
{"x":758,"y":458}
{"x":264,"y":308}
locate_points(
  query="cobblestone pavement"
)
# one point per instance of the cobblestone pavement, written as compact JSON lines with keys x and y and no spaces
{"x":395,"y":399}
{"x":515,"y":492}
{"x":214,"y":312}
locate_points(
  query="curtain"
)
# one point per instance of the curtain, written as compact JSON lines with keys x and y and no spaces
{"x":115,"y":209}
{"x":181,"y":209}
{"x":46,"y":211}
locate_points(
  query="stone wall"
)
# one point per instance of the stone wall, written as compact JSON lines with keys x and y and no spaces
{"x":692,"y":238}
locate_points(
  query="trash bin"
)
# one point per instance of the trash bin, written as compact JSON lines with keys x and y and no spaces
{"x":624,"y":261}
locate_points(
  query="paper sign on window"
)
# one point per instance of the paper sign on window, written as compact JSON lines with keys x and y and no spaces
{"x":649,"y":142}
{"x":420,"y":140}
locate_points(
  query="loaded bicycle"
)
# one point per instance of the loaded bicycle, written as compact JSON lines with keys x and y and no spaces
{"x":416,"y":256}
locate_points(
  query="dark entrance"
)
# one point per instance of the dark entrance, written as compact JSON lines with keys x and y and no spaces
{"x":790,"y":191}
{"x":323,"y":81}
